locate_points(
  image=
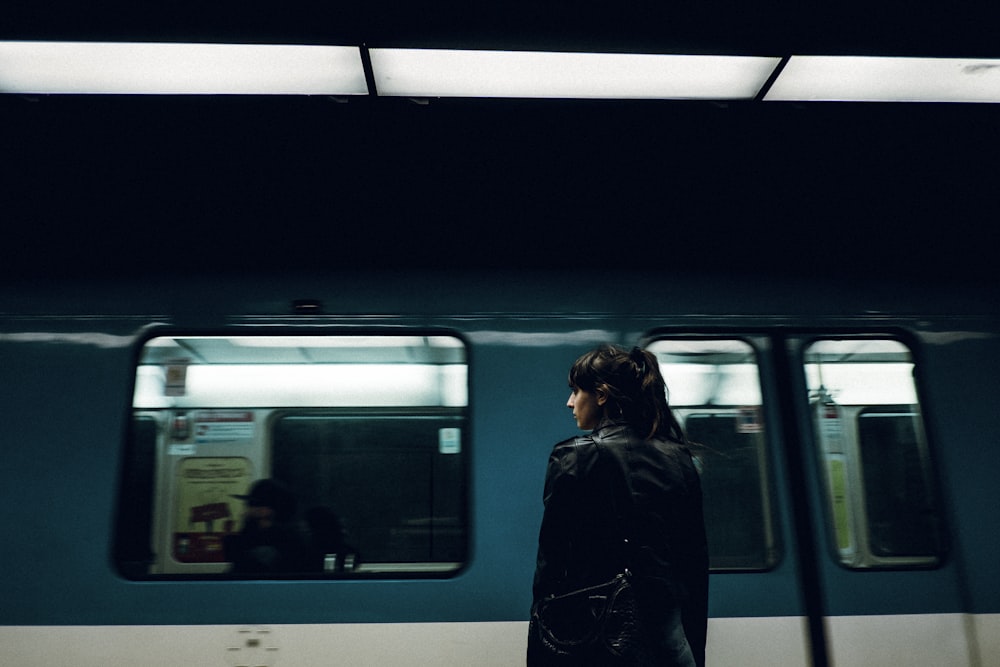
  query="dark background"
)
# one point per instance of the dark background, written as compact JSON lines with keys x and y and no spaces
{"x":140,"y":185}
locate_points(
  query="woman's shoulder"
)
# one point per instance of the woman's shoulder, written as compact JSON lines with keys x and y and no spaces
{"x":573,"y":445}
{"x":572,"y":453}
{"x":581,"y":440}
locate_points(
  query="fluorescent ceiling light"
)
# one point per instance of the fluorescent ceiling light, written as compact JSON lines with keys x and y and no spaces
{"x":325,"y":341}
{"x":307,"y":385}
{"x":162,"y":68}
{"x":873,"y":79}
{"x":447,"y":73}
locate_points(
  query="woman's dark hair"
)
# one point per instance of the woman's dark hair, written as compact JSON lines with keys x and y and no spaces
{"x":635,"y":388}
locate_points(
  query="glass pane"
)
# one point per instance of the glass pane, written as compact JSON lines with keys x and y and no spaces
{"x":898,"y":501}
{"x":714,"y":389}
{"x":883,"y":509}
{"x":302,"y":456}
{"x":395,"y":484}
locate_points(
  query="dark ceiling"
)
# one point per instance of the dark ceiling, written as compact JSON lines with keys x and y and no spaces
{"x":148,"y":184}
{"x":763,"y":27}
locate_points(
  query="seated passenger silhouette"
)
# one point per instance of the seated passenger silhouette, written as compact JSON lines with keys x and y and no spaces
{"x":269,"y":541}
{"x":328,"y":549}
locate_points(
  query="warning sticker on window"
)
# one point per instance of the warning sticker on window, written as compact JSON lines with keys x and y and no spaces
{"x":449,"y":440}
{"x":223,"y":426}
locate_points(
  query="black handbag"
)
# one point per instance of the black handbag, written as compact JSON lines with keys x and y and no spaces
{"x":594,"y":625}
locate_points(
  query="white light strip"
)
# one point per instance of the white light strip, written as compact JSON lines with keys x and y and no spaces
{"x":873,"y":79}
{"x":307,"y":385}
{"x":447,"y":73}
{"x":162,"y":68}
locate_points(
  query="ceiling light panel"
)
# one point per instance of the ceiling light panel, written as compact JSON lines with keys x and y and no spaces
{"x":176,"y":68}
{"x":874,"y":79}
{"x":454,"y":73}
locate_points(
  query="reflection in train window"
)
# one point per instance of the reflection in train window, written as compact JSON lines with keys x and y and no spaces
{"x":362,"y":441}
{"x":881,"y":499}
{"x":400,"y":475}
{"x":714,"y":389}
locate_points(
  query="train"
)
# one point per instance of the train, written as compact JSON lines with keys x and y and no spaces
{"x":846,"y":440}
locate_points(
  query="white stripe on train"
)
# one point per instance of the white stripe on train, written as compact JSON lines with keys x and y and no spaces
{"x":920,"y":640}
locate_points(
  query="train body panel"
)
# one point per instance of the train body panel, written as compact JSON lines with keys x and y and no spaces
{"x":755,"y":643}
{"x":69,"y":357}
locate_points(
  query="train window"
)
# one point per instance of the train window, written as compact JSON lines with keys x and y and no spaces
{"x":394,"y":522}
{"x":881,"y":499}
{"x":714,"y":389}
{"x":296,"y":456}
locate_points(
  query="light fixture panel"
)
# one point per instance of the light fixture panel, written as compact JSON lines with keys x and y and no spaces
{"x":536,"y":74}
{"x":881,"y":79}
{"x":179,"y":68}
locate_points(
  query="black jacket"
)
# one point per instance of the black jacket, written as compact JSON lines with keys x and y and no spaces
{"x":611,"y":486}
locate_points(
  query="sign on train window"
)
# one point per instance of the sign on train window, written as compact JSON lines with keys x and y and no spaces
{"x":882,"y":503}
{"x":714,"y":389}
{"x":296,"y":456}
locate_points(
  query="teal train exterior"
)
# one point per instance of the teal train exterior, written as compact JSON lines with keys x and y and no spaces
{"x":847,"y":441}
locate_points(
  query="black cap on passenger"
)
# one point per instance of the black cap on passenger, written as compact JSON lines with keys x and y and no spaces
{"x":270,"y":493}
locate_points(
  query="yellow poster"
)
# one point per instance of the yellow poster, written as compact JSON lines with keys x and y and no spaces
{"x":839,"y":499}
{"x":206,"y":510}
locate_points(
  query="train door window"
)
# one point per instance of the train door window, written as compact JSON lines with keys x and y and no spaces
{"x":882,"y":503}
{"x":714,"y":389}
{"x":296,"y":456}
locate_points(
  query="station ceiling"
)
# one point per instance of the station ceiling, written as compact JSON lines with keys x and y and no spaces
{"x":138,"y":184}
{"x":762,"y":27}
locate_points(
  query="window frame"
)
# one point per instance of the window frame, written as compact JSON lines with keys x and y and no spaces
{"x":124,"y":540}
{"x":758,"y":344}
{"x":857,"y":515}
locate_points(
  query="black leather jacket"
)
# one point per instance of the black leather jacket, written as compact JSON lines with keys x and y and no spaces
{"x":611,"y":486}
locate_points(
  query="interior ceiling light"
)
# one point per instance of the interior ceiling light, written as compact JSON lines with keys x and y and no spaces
{"x":175,"y":68}
{"x":456,"y":73}
{"x":878,"y":79}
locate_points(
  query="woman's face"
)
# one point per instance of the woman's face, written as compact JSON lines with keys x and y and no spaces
{"x":587,"y":407}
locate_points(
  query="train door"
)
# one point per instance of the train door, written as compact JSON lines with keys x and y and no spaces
{"x":826,"y":528}
{"x":882,"y":580}
{"x":716,"y":388}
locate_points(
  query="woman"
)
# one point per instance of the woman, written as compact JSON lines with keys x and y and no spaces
{"x":627,"y":496}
